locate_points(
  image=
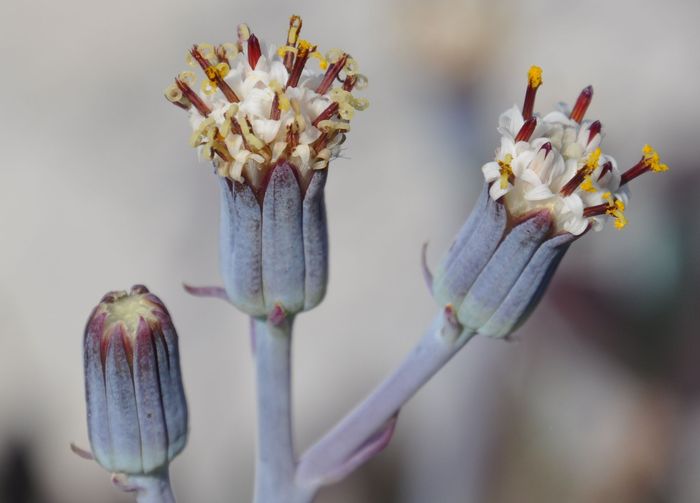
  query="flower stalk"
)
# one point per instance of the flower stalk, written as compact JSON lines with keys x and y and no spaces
{"x":333,"y":456}
{"x":275,"y":458}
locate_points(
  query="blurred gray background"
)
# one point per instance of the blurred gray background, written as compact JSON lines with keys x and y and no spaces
{"x":597,"y":401}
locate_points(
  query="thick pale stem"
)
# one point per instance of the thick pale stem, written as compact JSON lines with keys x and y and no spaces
{"x":338,"y":445}
{"x":275,"y":462}
{"x":153,"y":488}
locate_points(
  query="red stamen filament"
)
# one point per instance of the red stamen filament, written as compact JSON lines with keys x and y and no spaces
{"x":320,"y":142}
{"x":599,"y":209}
{"x":213,"y":74}
{"x":221,"y":55}
{"x":275,"y":111}
{"x":196,"y":101}
{"x":299,"y":62}
{"x":331,"y":74}
{"x":580,"y":176}
{"x":349,"y":82}
{"x":582,"y":103}
{"x":526,"y":130}
{"x":529,"y":103}
{"x":292,"y":36}
{"x":638,"y":169}
{"x":326,"y":114}
{"x":292,"y":137}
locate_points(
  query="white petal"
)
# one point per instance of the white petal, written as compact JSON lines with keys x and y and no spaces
{"x":491,"y":171}
{"x":497,"y":192}
{"x":538,"y":193}
{"x":257,"y":103}
{"x":266,"y":129}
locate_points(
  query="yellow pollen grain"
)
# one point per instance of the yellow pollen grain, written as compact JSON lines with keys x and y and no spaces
{"x":282,"y":99}
{"x":294,"y":28}
{"x":283,"y":50}
{"x":587,"y":185}
{"x":506,"y":170}
{"x":652,"y":159}
{"x":305,"y":45}
{"x":616,"y":210}
{"x":534,"y":77}
{"x":592,"y":161}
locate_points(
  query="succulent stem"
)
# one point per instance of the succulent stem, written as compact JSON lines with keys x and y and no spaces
{"x":321,"y":462}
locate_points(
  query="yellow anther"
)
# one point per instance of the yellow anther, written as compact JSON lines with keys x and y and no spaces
{"x":222,"y":69}
{"x":343,"y":97}
{"x":294,"y":29}
{"x":298,"y":118}
{"x":282,"y":99}
{"x":230,"y":50}
{"x":616,"y":209}
{"x":187,"y":77}
{"x":283,"y":50}
{"x":252,"y":140}
{"x":361,"y":81}
{"x":243,"y":32}
{"x":211,"y":73}
{"x":207,"y":51}
{"x":329,"y":125}
{"x":205,"y":132}
{"x":534,"y":77}
{"x":208,"y":87}
{"x":592,"y":161}
{"x":587,"y":185}
{"x":334,"y":55}
{"x":652,"y":160}
{"x":351,"y":67}
{"x":305,"y":45}
{"x":173,"y":93}
{"x":506,"y":170}
{"x":228,"y":115}
{"x":346,"y":112}
{"x":322,"y":62}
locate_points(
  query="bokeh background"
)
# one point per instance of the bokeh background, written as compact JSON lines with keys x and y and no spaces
{"x":595,"y":401}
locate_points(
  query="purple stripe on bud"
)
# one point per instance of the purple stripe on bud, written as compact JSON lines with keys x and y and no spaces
{"x":501,"y":272}
{"x":96,"y":398}
{"x":241,"y":245}
{"x":315,"y":233}
{"x":529,"y":287}
{"x":154,"y":434}
{"x":172,"y":391}
{"x":282,"y":241}
{"x":121,"y":404}
{"x":472,"y":249}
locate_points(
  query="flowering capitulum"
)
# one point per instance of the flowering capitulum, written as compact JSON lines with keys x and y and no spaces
{"x":573,"y":179}
{"x":259,"y":105}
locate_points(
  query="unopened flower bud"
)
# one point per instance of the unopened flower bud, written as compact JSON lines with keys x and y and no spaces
{"x":136,"y":408}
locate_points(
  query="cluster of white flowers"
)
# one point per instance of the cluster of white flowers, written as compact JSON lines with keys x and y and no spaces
{"x":272,"y":106}
{"x":532,"y":173}
{"x":555,"y":162}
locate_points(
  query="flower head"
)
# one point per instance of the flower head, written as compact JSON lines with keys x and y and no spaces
{"x":260,"y":104}
{"x":556,"y":163}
